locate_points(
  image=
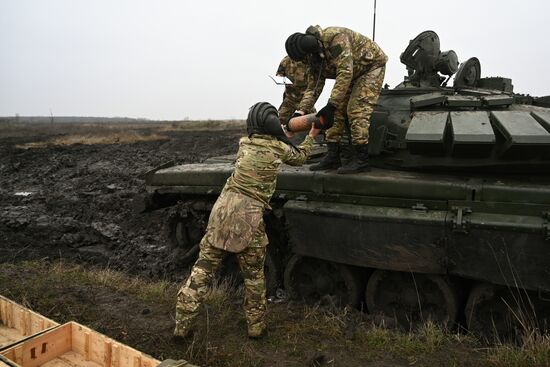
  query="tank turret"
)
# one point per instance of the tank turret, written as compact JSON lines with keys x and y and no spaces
{"x":478,"y":123}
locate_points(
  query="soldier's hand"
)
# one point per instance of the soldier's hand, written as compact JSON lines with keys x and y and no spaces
{"x":314,"y":131}
{"x":326,"y":114}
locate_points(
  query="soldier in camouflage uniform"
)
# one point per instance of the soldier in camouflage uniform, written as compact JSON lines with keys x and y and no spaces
{"x":236,"y":222}
{"x":296,"y":72}
{"x":358,"y":65}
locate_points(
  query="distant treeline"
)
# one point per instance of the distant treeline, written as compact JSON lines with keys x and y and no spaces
{"x":73,"y":119}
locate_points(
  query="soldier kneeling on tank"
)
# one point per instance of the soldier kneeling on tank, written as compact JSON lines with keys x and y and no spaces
{"x":236,"y":222}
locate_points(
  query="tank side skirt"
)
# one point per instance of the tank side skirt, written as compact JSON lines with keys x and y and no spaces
{"x":379,"y":237}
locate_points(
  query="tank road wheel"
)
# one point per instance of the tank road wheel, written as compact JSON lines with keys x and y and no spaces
{"x":498,"y":312}
{"x":313,"y":279}
{"x":412,"y":298}
{"x":185,"y":232}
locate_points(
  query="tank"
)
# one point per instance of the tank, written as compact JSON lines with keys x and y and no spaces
{"x":452,"y":224}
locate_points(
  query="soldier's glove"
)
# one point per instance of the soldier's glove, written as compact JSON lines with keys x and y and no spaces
{"x":295,"y":114}
{"x":326,"y":115}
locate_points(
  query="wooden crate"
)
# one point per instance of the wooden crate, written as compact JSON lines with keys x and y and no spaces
{"x":73,"y":344}
{"x":18,"y":322}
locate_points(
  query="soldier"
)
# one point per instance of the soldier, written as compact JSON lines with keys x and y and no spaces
{"x":296,"y":72}
{"x":358,"y":65}
{"x":236,"y":222}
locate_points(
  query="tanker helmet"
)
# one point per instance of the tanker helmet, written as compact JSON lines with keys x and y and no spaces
{"x":299,"y":45}
{"x":263,"y":118}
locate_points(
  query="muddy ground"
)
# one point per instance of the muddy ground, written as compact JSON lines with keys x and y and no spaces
{"x":76,"y":201}
{"x":73,"y":248}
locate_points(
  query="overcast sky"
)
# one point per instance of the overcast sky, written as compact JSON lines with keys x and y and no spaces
{"x":169,"y":59}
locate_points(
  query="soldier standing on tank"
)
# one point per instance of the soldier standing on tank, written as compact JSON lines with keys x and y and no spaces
{"x":296,"y":72}
{"x":236,"y":222}
{"x":358,"y":65}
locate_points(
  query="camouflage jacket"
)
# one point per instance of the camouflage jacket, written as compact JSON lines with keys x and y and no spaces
{"x":348,"y":55}
{"x":259,"y":159}
{"x":297,"y":73}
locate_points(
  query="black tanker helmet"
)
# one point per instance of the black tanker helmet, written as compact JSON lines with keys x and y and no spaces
{"x":299,"y":45}
{"x":263,"y":119}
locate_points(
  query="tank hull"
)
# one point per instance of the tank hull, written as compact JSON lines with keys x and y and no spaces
{"x":482,"y":228}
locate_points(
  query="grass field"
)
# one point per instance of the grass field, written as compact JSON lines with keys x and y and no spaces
{"x":139,"y":312}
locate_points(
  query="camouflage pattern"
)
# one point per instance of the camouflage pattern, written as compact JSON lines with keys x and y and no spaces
{"x":258,"y":161}
{"x":296,"y":72}
{"x":190,"y":296}
{"x":236,"y":221}
{"x":236,"y":225}
{"x":362,"y":99}
{"x":347,"y":56}
{"x":358,"y":65}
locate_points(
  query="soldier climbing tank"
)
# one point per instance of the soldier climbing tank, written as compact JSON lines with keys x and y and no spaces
{"x":452,"y":223}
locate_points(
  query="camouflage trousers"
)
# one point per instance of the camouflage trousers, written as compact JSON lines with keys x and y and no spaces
{"x":251,"y":262}
{"x":361,"y":99}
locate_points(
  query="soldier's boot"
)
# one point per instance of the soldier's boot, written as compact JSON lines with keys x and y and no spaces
{"x":346,"y":153}
{"x":257,"y":331}
{"x":331,"y":160}
{"x":359,"y":161}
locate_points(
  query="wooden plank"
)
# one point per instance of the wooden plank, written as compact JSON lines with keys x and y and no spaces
{"x":72,"y":345}
{"x":42,"y":348}
{"x":58,"y":362}
{"x":126,"y":357}
{"x":18,"y":355}
{"x":74,"y":359}
{"x":2,"y":316}
{"x":115,"y":355}
{"x":107,"y":354}
{"x":10,"y":319}
{"x":87,"y":345}
{"x":4,"y":340}
{"x":9,"y":335}
{"x":17,"y":322}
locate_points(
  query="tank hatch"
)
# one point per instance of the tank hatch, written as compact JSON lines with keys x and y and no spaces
{"x":520,"y":135}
